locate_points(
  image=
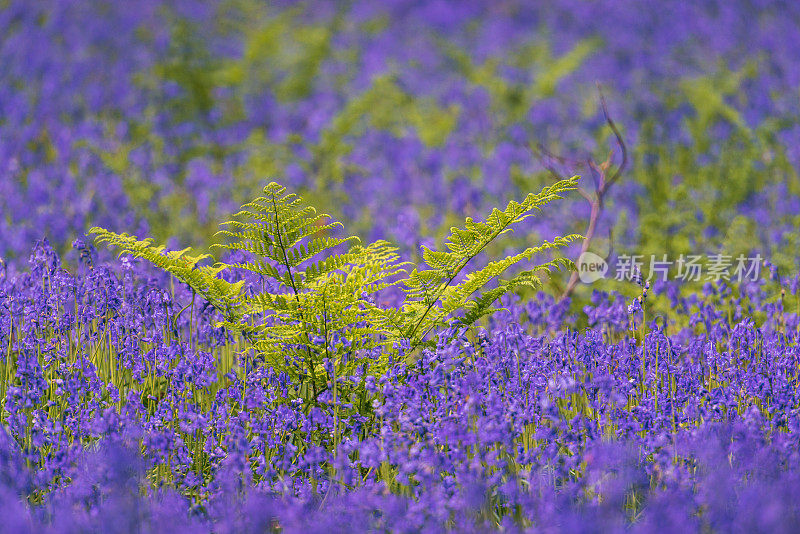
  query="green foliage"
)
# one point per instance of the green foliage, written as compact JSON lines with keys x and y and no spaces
{"x":189,"y":64}
{"x":382,"y":106}
{"x":433,"y":295}
{"x":317,"y":306}
{"x":513,"y":99}
{"x":281,"y":53}
{"x":693,"y":191}
{"x":710,"y":96}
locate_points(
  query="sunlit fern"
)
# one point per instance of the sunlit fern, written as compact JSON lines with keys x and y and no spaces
{"x":324,"y":294}
{"x":433,"y":295}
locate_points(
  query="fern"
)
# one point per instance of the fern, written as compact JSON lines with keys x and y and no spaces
{"x":323,"y":296}
{"x":432,"y":296}
{"x":320,"y":312}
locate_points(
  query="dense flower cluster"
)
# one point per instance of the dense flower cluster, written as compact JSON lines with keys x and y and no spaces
{"x":119,"y":408}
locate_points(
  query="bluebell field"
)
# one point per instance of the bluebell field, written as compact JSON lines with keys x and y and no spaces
{"x":376,"y":389}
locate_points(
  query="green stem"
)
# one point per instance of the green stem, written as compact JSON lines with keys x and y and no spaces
{"x":7,"y":377}
{"x":286,"y":262}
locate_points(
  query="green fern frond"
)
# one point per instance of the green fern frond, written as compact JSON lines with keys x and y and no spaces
{"x":482,"y":305}
{"x":203,"y":279}
{"x":274,"y":226}
{"x":431,"y":295}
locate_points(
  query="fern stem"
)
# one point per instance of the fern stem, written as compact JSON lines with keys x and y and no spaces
{"x":440,"y":290}
{"x":310,"y":360}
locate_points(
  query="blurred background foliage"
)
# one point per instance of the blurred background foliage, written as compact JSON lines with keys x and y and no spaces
{"x":401,"y":120}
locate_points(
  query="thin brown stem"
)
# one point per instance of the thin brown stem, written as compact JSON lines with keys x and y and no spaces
{"x":620,"y":141}
{"x":596,"y":199}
